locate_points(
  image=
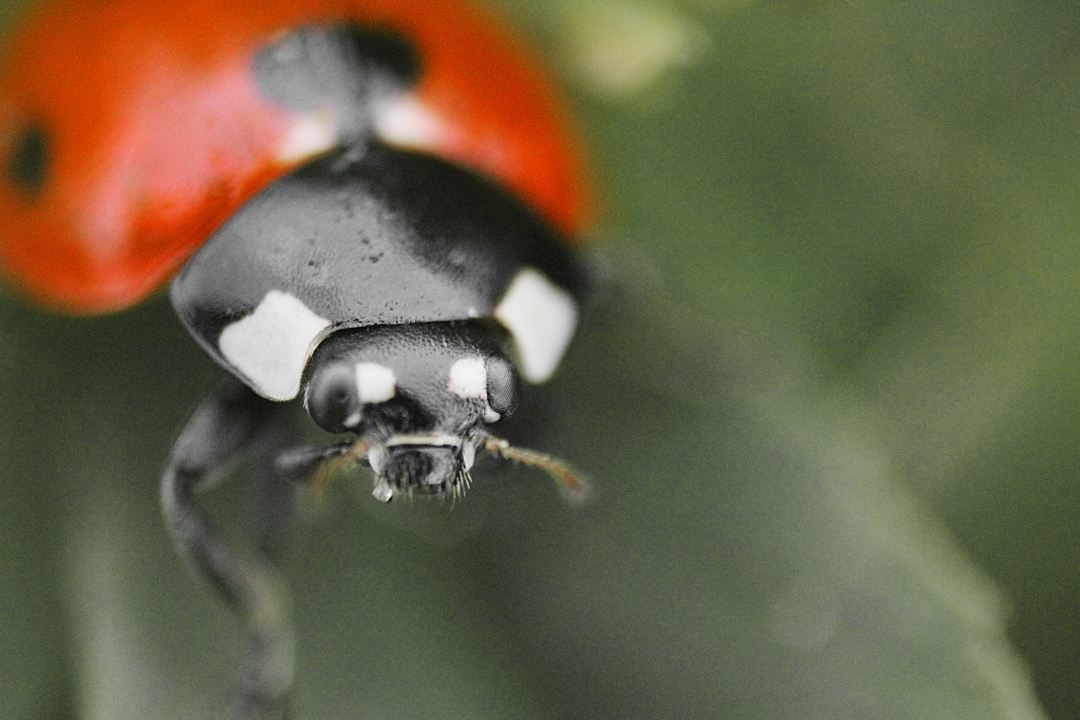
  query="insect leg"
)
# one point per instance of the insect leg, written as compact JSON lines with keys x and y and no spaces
{"x":220,"y":427}
{"x":275,"y":495}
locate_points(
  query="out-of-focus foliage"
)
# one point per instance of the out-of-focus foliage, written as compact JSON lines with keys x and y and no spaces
{"x":838,"y":332}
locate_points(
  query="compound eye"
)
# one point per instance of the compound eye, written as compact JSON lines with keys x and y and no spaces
{"x":332,"y":401}
{"x":502,"y":386}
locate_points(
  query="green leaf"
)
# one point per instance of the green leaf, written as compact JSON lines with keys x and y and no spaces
{"x":791,"y":189}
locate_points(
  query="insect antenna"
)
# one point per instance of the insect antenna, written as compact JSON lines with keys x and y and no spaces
{"x":575,"y":486}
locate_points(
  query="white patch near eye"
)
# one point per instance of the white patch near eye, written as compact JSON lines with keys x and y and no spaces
{"x":313,"y":134}
{"x":375,"y":383}
{"x":468,"y":378}
{"x":542,"y":317}
{"x":490,"y":415}
{"x":270,"y":347}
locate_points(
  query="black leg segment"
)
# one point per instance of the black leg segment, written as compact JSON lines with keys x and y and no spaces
{"x":221,"y":427}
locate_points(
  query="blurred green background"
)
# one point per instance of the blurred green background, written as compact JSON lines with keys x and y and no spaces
{"x":828,"y":394}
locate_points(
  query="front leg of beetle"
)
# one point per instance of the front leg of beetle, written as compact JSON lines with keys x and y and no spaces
{"x":219,"y":428}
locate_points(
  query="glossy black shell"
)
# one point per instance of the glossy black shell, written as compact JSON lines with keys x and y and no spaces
{"x":369,"y":236}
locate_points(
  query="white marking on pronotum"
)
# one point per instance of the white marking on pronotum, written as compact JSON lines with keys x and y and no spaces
{"x":468,"y":378}
{"x":311,"y":135}
{"x":270,"y":347}
{"x":542,"y":317}
{"x":375,"y":383}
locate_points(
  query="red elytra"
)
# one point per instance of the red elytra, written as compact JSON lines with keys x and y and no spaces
{"x":157,"y":131}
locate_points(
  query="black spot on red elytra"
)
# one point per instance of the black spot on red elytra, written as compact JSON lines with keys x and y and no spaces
{"x":28,"y":164}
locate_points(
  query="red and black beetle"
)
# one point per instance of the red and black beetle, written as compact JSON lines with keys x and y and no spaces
{"x":367,"y":206}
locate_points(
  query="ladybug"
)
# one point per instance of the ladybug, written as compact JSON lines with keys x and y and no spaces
{"x":368,"y":207}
